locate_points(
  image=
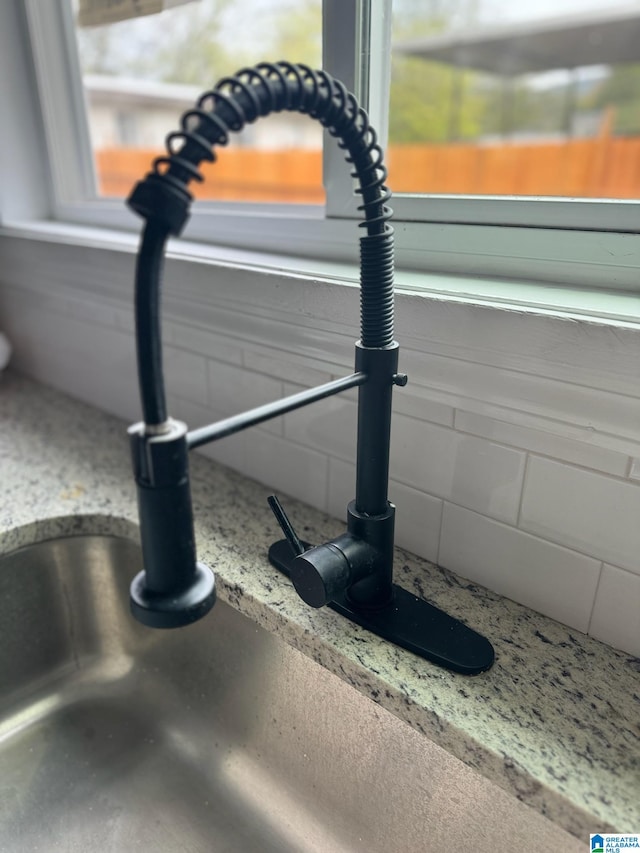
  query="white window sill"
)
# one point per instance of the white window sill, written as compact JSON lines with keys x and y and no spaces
{"x":591,"y":305}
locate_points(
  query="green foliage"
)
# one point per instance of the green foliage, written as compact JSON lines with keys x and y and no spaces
{"x":200,"y":42}
{"x":620,"y":91}
{"x":297,"y":34}
{"x":195,"y":52}
{"x":431,"y":102}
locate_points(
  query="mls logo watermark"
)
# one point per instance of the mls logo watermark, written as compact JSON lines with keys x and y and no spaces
{"x":614,"y":843}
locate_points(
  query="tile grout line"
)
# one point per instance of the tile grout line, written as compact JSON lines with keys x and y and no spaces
{"x":595,"y":597}
{"x":524,"y":480}
{"x":440,"y":527}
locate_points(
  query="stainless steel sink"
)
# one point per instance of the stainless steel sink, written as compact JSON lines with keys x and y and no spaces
{"x":217,"y":737}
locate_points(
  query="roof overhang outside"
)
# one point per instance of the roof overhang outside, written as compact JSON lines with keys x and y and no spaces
{"x":606,"y":38}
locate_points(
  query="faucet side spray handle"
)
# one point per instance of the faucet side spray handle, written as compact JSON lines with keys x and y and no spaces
{"x":324,"y":573}
{"x":285,"y":525}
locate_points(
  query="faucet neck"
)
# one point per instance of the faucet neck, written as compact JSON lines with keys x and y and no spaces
{"x":163,"y":199}
{"x":149,"y":266}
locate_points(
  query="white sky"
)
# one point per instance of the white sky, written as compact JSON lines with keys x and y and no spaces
{"x":522,"y":10}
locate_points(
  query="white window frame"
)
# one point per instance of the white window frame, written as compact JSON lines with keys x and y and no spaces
{"x":571,"y":242}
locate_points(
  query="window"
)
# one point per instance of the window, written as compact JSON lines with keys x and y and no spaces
{"x":473,"y":228}
{"x":516,"y":99}
{"x":141,"y":74}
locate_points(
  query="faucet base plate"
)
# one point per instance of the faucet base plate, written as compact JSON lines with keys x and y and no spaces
{"x":412,"y":623}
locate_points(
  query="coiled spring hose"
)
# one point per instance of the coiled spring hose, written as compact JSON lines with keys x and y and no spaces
{"x":163,"y":198}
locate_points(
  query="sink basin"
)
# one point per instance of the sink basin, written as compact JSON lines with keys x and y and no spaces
{"x":216,"y":737}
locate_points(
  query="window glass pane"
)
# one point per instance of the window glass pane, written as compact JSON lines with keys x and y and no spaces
{"x":535,"y":98}
{"x":141,"y":74}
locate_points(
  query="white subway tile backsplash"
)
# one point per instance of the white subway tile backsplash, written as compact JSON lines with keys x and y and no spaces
{"x":185,"y":374}
{"x":342,"y":487}
{"x":300,"y":370}
{"x":572,"y":519}
{"x":539,"y":441}
{"x":616,"y":615}
{"x":410,"y":401}
{"x":612,"y":418}
{"x":288,"y":467}
{"x":94,"y":311}
{"x":469,"y":471}
{"x":330,"y":425}
{"x":229,"y":451}
{"x":193,"y":414}
{"x":546,"y":577}
{"x":207,"y":343}
{"x":418,"y":520}
{"x":235,"y":389}
{"x":125,"y":320}
{"x":92,"y":362}
{"x":418,"y":516}
{"x":592,"y":513}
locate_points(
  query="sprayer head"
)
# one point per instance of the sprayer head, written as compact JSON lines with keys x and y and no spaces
{"x":174,"y":609}
{"x":174,"y":589}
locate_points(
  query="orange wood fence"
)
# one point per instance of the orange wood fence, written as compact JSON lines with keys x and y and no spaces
{"x":606,"y":167}
{"x":239,"y":174}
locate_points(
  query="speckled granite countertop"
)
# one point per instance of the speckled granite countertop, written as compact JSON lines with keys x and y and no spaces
{"x":557,"y":719}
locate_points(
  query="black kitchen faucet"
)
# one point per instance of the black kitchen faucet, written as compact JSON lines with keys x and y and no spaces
{"x":354,"y":572}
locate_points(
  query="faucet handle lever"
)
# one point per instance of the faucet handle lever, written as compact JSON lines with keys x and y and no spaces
{"x":286,"y":526}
